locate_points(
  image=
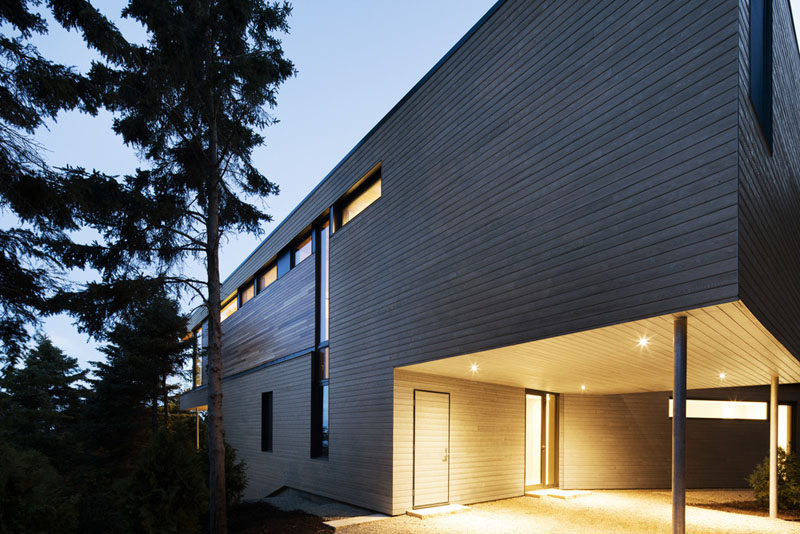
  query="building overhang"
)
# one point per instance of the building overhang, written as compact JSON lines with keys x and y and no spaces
{"x":727,"y":346}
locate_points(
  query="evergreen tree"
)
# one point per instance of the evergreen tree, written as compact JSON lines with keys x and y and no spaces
{"x":34,"y":90}
{"x":42,"y":402}
{"x":192,"y":100}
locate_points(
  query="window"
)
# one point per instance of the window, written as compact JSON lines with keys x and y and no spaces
{"x":363,"y":196}
{"x":319,"y":403}
{"x":246,"y":293}
{"x":324,"y":276}
{"x":721,"y":409}
{"x":302,"y":251}
{"x":761,"y":63}
{"x":284,"y":263}
{"x":228,"y":309}
{"x":266,"y":421}
{"x":199,"y":359}
{"x":267,"y":277}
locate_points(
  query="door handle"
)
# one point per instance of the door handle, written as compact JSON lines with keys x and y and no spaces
{"x":444,"y":458}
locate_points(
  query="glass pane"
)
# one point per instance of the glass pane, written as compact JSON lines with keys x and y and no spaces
{"x":267,"y":278}
{"x":533,"y":440}
{"x":784,"y":426}
{"x":358,"y":203}
{"x":324,"y":296}
{"x":247,"y":293}
{"x":719,"y":409}
{"x":325,"y":417}
{"x":324,"y":363}
{"x":302,"y":251}
{"x":228,"y":310}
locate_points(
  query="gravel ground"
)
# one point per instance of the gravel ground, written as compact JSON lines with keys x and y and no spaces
{"x":646,"y":512}
{"x":292,"y":499}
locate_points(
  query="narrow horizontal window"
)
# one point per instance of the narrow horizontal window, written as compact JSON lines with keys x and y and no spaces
{"x":302,"y":251}
{"x":720,"y":409}
{"x":228,"y":309}
{"x":361,"y":199}
{"x":267,"y":277}
{"x":246,"y":293}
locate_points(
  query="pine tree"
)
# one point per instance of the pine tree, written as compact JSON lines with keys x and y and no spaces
{"x":192,"y":101}
{"x":34,"y":90}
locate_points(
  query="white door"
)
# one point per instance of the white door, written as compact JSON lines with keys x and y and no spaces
{"x":431,"y":448}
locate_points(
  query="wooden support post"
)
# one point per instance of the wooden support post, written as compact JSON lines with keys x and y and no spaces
{"x":679,"y":428}
{"x":773,"y":448}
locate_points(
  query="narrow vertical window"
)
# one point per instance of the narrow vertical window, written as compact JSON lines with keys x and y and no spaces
{"x":319,"y":399}
{"x":761,"y":63}
{"x":266,"y":421}
{"x":324,"y":278}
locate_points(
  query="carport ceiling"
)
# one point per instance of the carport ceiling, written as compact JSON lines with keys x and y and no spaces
{"x":723,"y":341}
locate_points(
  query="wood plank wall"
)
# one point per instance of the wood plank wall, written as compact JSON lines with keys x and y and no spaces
{"x":571,"y":165}
{"x":625,"y":441}
{"x":487,"y":438}
{"x":769,"y":186}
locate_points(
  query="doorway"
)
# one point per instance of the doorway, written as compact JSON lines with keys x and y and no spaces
{"x":431,"y":481}
{"x":541,"y":440}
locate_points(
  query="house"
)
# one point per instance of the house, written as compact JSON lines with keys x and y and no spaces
{"x":581,"y":210}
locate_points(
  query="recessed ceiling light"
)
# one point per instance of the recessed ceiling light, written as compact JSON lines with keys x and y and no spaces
{"x":722,"y":376}
{"x":644,"y":341}
{"x":583,"y":387}
{"x":474,"y":367}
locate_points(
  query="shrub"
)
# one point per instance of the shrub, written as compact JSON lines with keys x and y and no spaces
{"x":33,"y":496}
{"x":167,"y":492}
{"x":788,"y":481}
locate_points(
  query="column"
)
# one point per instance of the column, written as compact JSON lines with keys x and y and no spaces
{"x":679,"y":428}
{"x":773,"y":448}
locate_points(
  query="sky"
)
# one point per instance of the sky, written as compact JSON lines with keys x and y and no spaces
{"x":355,"y":60}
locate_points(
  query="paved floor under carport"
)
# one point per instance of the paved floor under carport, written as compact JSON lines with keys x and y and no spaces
{"x":646,"y":512}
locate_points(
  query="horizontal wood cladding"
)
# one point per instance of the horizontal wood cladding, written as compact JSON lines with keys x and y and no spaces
{"x":487,"y":438}
{"x":625,"y":441}
{"x":571,"y":166}
{"x":358,"y":469}
{"x":769,"y":186}
{"x":277,"y":322}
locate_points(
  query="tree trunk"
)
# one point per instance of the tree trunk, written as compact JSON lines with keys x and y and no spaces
{"x":218,"y":520}
{"x":154,"y":407}
{"x":166,"y":400}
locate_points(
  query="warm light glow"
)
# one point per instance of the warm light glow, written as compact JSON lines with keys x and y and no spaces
{"x":474,"y":368}
{"x":644,"y":341}
{"x":721,"y":409}
{"x":722,"y":376}
{"x":583,"y":387}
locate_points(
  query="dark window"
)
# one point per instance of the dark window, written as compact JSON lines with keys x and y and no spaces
{"x":319,"y":405}
{"x":284,"y":262}
{"x":266,"y":421}
{"x":761,"y":63}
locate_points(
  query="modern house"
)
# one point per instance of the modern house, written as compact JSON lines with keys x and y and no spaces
{"x":583,"y":209}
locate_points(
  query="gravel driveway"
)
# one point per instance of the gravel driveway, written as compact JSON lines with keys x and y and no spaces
{"x":634,"y":511}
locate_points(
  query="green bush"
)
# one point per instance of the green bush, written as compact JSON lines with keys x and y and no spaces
{"x":788,"y":481}
{"x":33,"y":496}
{"x":167,"y":492}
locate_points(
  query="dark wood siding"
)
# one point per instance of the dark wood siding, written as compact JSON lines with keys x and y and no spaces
{"x":624,"y":441}
{"x":571,"y":165}
{"x":769,"y":186}
{"x":277,"y":322}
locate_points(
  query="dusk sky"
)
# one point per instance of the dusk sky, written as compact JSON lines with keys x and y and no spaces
{"x":355,"y":60}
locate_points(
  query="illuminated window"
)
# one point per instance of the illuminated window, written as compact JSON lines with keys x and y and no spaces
{"x":302,"y":251}
{"x":267,"y":277}
{"x":246,"y":293}
{"x":361,"y":198}
{"x":720,"y":409}
{"x":228,"y":309}
{"x":199,"y":358}
{"x":785,"y":427}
